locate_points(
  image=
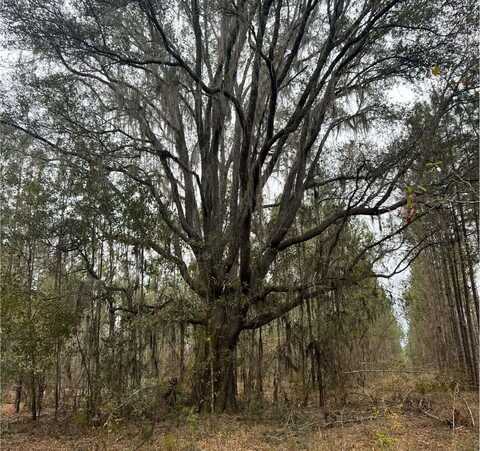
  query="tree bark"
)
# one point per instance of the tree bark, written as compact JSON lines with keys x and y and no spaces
{"x":33,"y":389}
{"x":18,"y":396}
{"x":214,"y":384}
{"x":470,"y":265}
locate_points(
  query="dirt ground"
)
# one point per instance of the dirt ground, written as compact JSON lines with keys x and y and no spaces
{"x":390,"y":431}
{"x":372,"y":421}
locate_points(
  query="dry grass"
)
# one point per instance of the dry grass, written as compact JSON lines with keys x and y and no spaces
{"x":388,"y":416}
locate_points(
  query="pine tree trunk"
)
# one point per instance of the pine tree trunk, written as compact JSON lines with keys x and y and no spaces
{"x":18,"y":396}
{"x":58,"y":377}
{"x":455,"y":328}
{"x":461,"y":314}
{"x":33,"y":401}
{"x":469,"y":259}
{"x":472,"y":336}
{"x":259,"y":382}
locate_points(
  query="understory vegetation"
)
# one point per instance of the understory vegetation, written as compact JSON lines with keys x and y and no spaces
{"x":397,"y":410}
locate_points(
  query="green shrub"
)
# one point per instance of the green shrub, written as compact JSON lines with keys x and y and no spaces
{"x":384,"y":441}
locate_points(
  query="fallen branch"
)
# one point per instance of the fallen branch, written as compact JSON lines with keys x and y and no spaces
{"x":434,"y":417}
{"x":352,"y":420}
{"x":386,"y":371}
{"x":366,"y":395}
{"x":469,"y":410}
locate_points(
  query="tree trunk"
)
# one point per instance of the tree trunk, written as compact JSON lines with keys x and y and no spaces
{"x":40,"y":392}
{"x":214,"y":384}
{"x":18,"y":396}
{"x":461,"y":313}
{"x":454,"y":322}
{"x":470,"y":264}
{"x":259,"y":382}
{"x":182,"y":352}
{"x":33,"y":389}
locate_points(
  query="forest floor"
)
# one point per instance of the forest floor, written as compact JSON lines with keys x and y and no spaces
{"x":368,"y":421}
